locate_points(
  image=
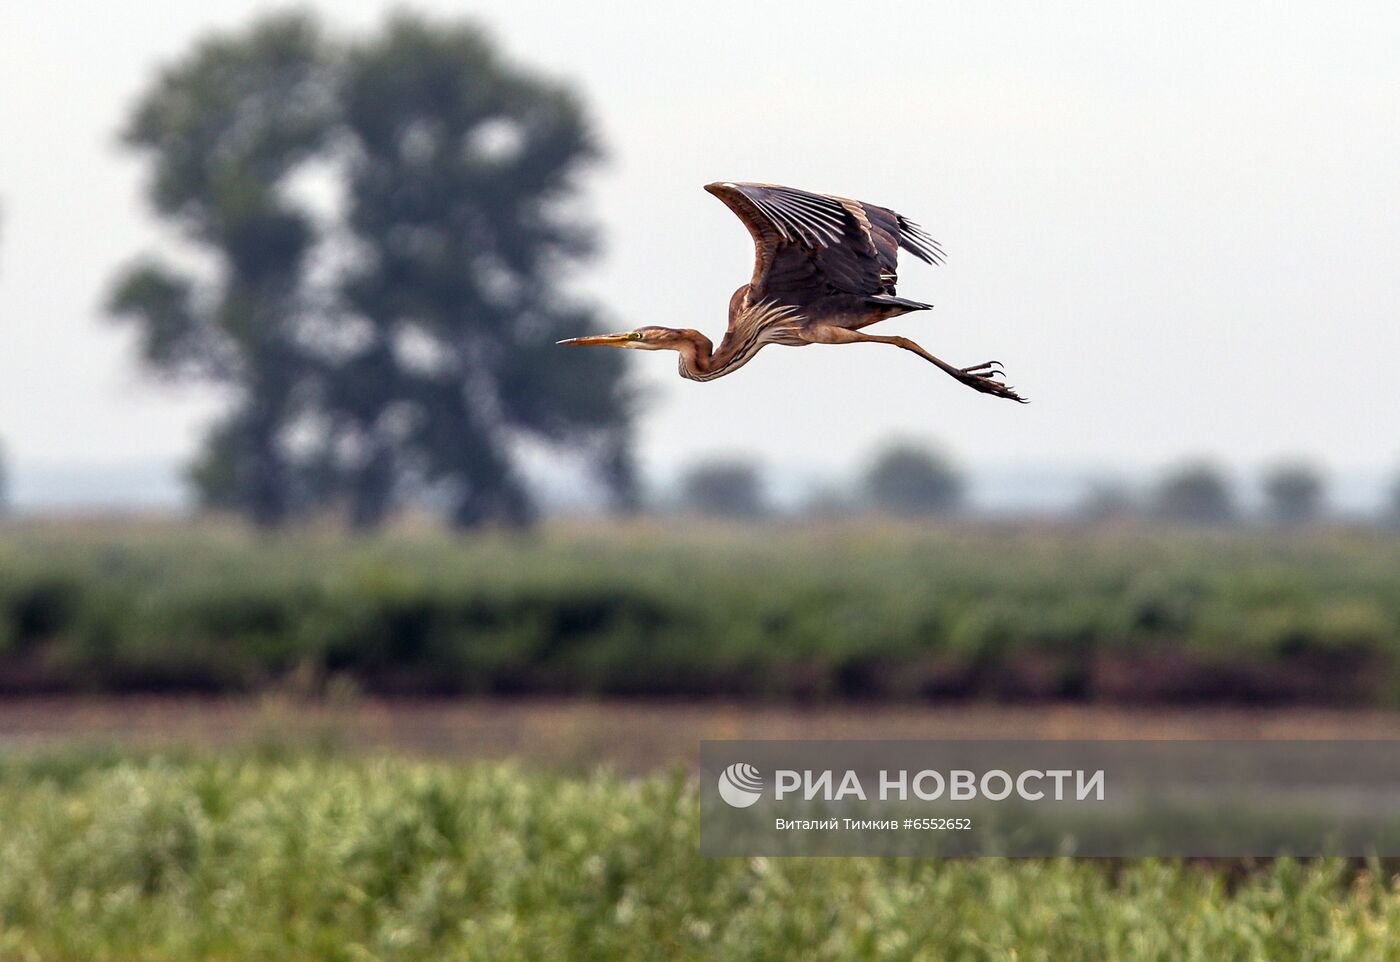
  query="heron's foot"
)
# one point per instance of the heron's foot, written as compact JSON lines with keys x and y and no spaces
{"x":987,"y":378}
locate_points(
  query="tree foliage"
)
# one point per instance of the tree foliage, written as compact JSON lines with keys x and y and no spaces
{"x":397,"y":339}
{"x":1392,"y":506}
{"x":1293,"y":493}
{"x":224,"y":129}
{"x":727,"y":489}
{"x":907,"y":479}
{"x":1196,"y":493}
{"x":1106,"y":500}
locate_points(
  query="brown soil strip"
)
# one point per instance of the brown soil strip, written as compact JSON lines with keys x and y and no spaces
{"x":630,"y":735}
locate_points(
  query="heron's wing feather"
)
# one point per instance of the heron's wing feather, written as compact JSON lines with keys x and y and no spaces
{"x":809,"y":245}
{"x":916,"y":241}
{"x":767,"y":235}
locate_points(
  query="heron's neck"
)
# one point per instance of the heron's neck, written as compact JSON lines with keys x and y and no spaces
{"x":699,"y":361}
{"x":702,"y":361}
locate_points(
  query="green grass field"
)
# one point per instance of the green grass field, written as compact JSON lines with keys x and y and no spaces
{"x":314,"y":857}
{"x":298,"y":854}
{"x":858,"y":611}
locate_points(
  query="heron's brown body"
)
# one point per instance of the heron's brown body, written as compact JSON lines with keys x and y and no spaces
{"x":825,"y":267}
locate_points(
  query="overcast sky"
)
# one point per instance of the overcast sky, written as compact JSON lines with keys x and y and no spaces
{"x":1178,"y":227}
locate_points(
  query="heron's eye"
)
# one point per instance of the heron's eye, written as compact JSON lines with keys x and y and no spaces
{"x":634,"y":336}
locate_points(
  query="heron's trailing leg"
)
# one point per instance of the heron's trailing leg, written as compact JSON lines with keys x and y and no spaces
{"x":980,"y":377}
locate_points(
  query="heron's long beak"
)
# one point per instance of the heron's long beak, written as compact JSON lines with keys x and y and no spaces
{"x":608,"y":340}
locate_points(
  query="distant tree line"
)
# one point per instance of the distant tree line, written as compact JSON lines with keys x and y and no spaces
{"x":902,"y":478}
{"x":906,"y":479}
{"x":1294,"y":492}
{"x":377,"y":230}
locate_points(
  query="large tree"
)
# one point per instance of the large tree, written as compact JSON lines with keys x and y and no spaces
{"x":398,"y":339}
{"x":461,"y":173}
{"x":224,"y":129}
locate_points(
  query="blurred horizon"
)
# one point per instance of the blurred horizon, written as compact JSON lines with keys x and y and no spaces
{"x":1169,"y":262}
{"x":1028,"y":490}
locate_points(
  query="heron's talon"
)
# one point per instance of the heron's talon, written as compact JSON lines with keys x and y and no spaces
{"x":980,"y":377}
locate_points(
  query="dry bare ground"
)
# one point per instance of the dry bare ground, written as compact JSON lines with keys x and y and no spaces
{"x":629,"y":735}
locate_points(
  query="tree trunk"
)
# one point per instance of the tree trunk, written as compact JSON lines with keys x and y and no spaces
{"x":372,"y":489}
{"x":267,"y":495}
{"x":269,"y":480}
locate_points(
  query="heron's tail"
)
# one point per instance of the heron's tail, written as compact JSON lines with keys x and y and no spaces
{"x":900,"y":305}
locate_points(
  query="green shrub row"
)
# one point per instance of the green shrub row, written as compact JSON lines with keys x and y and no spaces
{"x":772,"y":612}
{"x":338,"y":859}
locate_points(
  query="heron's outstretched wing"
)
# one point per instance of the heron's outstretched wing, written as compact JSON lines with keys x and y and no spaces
{"x":808,"y":245}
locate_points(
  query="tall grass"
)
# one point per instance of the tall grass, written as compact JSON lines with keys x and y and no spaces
{"x":847,"y":611}
{"x":329,"y":858}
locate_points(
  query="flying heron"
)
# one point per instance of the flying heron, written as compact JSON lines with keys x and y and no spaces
{"x":824,"y":268}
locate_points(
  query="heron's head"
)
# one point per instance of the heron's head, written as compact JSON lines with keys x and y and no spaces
{"x":643,"y":339}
